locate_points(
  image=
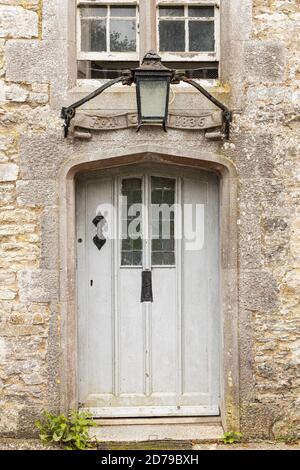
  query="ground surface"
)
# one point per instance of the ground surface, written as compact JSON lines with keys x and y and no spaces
{"x":33,"y":444}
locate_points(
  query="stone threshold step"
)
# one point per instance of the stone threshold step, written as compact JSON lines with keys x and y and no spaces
{"x":148,"y":445}
{"x":209,"y":420}
{"x":157,"y":432}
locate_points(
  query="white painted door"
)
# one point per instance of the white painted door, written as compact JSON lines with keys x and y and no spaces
{"x":139,"y":357}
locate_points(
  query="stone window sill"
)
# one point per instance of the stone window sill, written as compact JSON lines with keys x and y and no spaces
{"x":87,"y":86}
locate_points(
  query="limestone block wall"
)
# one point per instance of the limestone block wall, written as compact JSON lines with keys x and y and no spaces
{"x":266,"y":149}
{"x":261,"y":83}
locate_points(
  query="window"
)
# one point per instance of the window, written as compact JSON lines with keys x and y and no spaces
{"x":186,"y":29}
{"x":108,"y":29}
{"x":107,"y":38}
{"x":114,"y":35}
{"x":162,"y":221}
{"x":132,"y":246}
{"x":163,"y":232}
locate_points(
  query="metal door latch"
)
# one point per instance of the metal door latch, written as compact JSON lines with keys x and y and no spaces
{"x":147,"y":295}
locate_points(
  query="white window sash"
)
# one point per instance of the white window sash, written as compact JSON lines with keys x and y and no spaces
{"x":211,"y":56}
{"x":107,"y":55}
{"x":135,"y":56}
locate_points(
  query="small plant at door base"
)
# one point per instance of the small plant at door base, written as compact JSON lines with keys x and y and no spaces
{"x":71,"y":432}
{"x":232,"y":437}
{"x":289,"y":438}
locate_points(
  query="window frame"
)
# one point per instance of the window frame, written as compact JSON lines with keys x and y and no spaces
{"x":107,"y":56}
{"x":148,"y":37}
{"x":187,"y":56}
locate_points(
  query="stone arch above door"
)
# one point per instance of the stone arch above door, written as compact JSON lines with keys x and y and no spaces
{"x":228,"y":219}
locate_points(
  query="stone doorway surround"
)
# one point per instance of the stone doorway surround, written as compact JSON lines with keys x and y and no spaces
{"x":229,"y":267}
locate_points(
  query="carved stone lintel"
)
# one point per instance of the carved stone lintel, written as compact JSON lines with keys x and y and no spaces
{"x":98,"y":122}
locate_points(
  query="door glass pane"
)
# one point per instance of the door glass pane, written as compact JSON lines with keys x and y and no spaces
{"x":123,"y":35}
{"x":122,"y":11}
{"x":93,"y":35}
{"x":131,"y":211}
{"x":162,"y":208}
{"x":201,"y":36}
{"x":202,"y":12}
{"x":171,"y":11}
{"x":171,"y":36}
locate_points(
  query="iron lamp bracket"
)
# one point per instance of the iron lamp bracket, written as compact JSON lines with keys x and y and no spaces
{"x":68,"y":113}
{"x":128,"y":78}
{"x":226,"y":113}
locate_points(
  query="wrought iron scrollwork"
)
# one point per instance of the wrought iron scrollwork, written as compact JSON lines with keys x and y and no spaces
{"x":68,"y":113}
{"x":226,"y":113}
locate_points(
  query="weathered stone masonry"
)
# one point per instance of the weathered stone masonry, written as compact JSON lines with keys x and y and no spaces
{"x":261,"y":82}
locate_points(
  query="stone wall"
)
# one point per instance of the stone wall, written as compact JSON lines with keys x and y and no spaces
{"x":262,"y":85}
{"x":266,"y":149}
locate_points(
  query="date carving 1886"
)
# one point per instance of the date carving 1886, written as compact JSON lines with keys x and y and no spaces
{"x":189,"y":122}
{"x":122,"y":121}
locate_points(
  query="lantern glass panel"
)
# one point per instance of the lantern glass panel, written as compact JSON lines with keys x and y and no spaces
{"x":153,"y":95}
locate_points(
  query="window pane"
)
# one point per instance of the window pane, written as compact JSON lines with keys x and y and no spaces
{"x":131,"y":184}
{"x":93,"y":35}
{"x":93,"y":11}
{"x":171,"y":11}
{"x":164,"y":184}
{"x":103,"y":69}
{"x":202,"y":11}
{"x":132,"y":244}
{"x":163,"y":259}
{"x":122,"y":11}
{"x":171,"y":36}
{"x":201,"y":36}
{"x":162,"y":200}
{"x":123,"y":35}
{"x":200,"y":70}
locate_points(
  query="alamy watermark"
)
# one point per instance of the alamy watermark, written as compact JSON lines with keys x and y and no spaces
{"x":182,"y":222}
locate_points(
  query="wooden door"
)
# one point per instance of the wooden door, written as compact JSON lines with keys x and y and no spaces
{"x":157,"y":355}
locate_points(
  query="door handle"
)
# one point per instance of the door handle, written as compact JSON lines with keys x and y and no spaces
{"x":99,"y":222}
{"x":147,"y":294}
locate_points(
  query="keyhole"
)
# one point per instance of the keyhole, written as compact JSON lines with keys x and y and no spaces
{"x":80,"y":240}
{"x":91,"y":282}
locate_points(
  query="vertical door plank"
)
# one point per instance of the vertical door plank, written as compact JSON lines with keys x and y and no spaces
{"x":99,"y":285}
{"x":195,"y":290}
{"x":82,"y":292}
{"x":164,"y":334}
